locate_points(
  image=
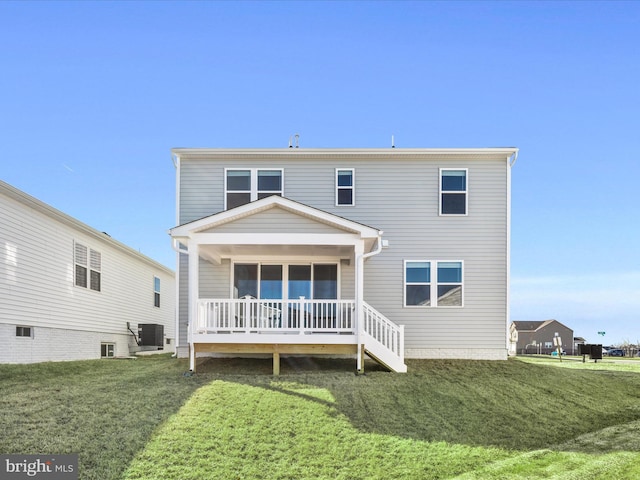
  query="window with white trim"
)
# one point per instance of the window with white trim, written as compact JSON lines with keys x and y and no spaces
{"x":244,"y":185}
{"x":24,"y":332}
{"x":453,"y":191}
{"x":433,"y":283}
{"x":156,"y":292}
{"x":88,"y":267}
{"x":345,"y":187}
{"x":107,"y":350}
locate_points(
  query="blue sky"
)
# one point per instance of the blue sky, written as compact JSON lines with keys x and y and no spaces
{"x":94,"y":95}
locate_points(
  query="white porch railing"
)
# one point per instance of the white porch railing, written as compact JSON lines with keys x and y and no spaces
{"x":248,"y":315}
{"x":388,"y":344}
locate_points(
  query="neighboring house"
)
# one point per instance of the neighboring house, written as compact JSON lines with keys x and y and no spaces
{"x":576,"y":342}
{"x":69,"y":292}
{"x":537,"y":337}
{"x":391,"y":252}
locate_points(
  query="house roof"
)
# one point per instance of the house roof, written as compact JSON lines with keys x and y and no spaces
{"x":532,"y":326}
{"x":55,"y":214}
{"x":332,"y":153}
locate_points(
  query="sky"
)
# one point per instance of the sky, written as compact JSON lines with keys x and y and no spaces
{"x":93,"y":95}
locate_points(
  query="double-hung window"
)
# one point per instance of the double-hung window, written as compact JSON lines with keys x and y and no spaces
{"x":433,"y":283}
{"x":345,"y":187}
{"x":453,"y":191}
{"x":249,"y":184}
{"x":88,"y":267}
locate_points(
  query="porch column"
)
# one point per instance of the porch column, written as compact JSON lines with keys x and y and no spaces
{"x":359,"y":291}
{"x":194,"y":275}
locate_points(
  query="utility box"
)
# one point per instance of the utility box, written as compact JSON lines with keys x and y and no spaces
{"x":151,"y":335}
{"x":596,"y":352}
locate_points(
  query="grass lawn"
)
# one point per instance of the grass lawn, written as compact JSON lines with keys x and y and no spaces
{"x":143,"y":419}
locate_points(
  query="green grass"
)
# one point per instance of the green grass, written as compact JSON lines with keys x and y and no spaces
{"x":444,"y":419}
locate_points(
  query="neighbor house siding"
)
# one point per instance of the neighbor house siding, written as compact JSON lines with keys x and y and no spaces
{"x":398,"y":194}
{"x":37,"y":286}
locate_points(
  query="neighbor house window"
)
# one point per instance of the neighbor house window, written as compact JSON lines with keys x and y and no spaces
{"x":345,"y":193}
{"x":247,"y":185}
{"x":156,"y":292}
{"x":23,"y":332}
{"x":453,"y":191}
{"x":88,"y":266}
{"x":107,"y":350}
{"x":429,"y":283}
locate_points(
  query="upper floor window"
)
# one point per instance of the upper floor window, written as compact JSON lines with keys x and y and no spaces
{"x":156,"y":292}
{"x":88,"y":267}
{"x":345,"y":189}
{"x":445,"y":290}
{"x":453,"y":191}
{"x":250,"y":184}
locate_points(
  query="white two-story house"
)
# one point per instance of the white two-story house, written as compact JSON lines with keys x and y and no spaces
{"x":393,"y":253}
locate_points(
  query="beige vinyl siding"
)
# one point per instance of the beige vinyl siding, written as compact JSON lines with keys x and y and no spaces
{"x":37,"y":285}
{"x":398,"y":194}
{"x":201,"y":190}
{"x":215,"y":279}
{"x":183,"y":300}
{"x":276,"y":220}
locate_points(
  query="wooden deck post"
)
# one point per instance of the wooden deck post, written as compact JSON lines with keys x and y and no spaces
{"x":276,"y":363}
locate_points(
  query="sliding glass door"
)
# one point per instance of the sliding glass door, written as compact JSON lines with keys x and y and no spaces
{"x":285,"y":281}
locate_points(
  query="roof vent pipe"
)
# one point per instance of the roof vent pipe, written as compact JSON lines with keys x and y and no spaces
{"x":297,"y":135}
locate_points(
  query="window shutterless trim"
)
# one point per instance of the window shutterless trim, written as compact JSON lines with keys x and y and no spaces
{"x":108,"y":348}
{"x":351,"y":187}
{"x":253,"y":191}
{"x":464,"y":192}
{"x":24,"y":332}
{"x":433,"y":283}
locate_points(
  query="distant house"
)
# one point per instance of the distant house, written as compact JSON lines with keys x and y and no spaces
{"x":69,"y":292}
{"x":385,"y":252}
{"x":578,"y":341}
{"x":527,"y":337}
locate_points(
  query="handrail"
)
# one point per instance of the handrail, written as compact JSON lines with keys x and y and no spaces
{"x":248,"y":315}
{"x":384,"y":331}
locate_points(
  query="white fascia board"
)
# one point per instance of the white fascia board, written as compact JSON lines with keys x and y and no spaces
{"x":226,"y":152}
{"x":275,"y":239}
{"x":252,"y":208}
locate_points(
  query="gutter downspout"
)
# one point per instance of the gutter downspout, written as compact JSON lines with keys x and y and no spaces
{"x":360,"y":258}
{"x":176,"y":164}
{"x":511,"y":161}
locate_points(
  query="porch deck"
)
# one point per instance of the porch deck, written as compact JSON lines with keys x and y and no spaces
{"x":303,"y":326}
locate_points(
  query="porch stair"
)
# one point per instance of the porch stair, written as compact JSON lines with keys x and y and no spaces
{"x":383,"y":340}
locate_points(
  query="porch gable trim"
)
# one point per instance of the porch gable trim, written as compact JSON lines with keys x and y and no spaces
{"x":274,"y":201}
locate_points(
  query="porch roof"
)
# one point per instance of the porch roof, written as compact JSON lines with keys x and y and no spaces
{"x":215,"y":240}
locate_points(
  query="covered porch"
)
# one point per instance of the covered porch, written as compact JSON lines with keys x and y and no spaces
{"x":288,"y":279}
